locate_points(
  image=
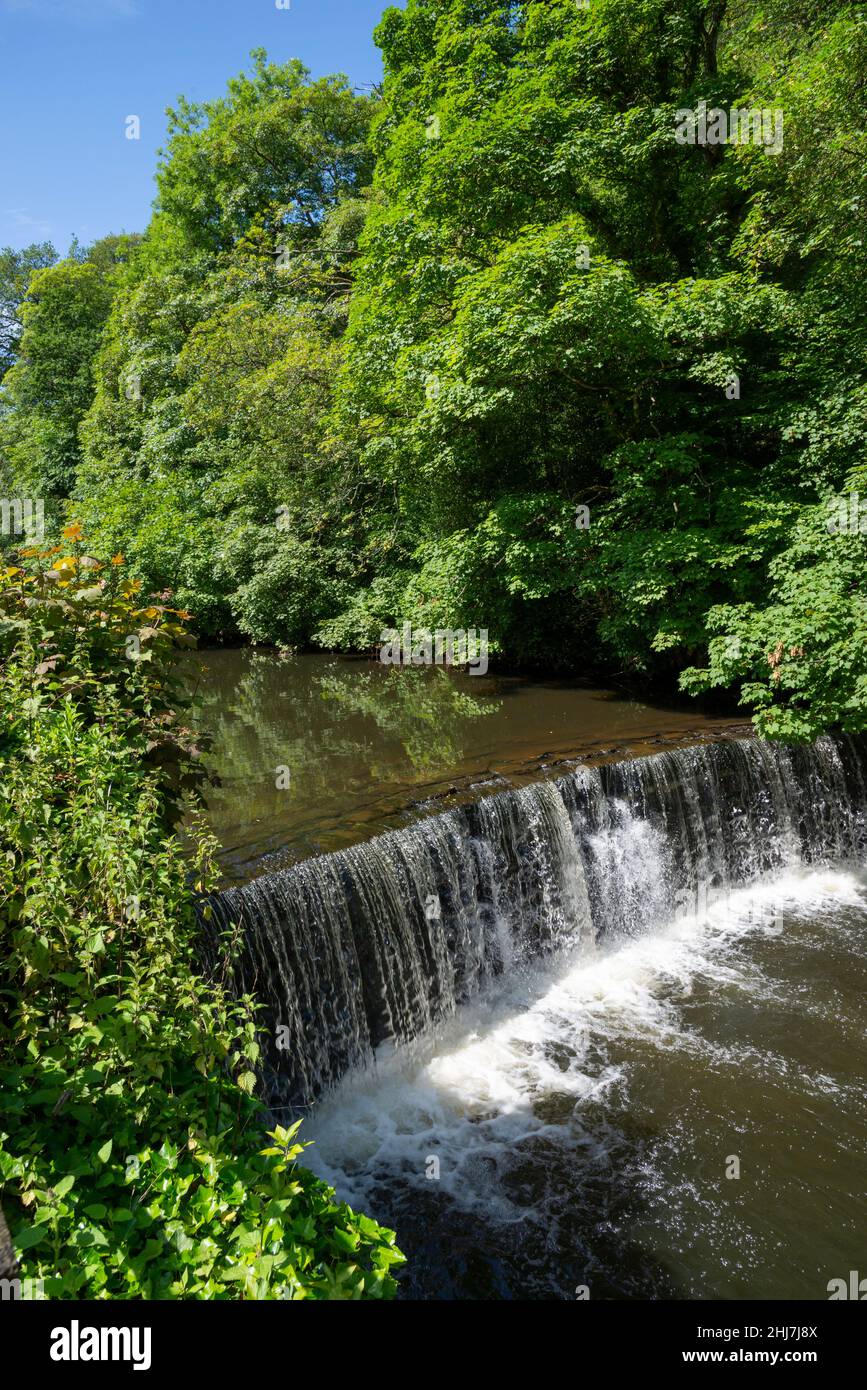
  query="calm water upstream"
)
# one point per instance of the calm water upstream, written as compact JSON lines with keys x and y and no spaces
{"x":369,"y":747}
{"x":581,"y":1020}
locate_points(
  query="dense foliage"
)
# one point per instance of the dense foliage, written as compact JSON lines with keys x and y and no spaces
{"x":374,"y":352}
{"x":133,"y":1158}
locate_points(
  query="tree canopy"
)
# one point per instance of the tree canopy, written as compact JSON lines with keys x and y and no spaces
{"x":376,"y":355}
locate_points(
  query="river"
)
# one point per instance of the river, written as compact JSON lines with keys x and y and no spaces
{"x":575,"y":998}
{"x":367,"y":748}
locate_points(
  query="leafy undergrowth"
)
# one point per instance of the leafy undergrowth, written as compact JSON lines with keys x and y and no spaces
{"x":134,"y":1161}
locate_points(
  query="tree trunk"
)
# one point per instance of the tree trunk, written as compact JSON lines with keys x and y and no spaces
{"x":8,"y":1265}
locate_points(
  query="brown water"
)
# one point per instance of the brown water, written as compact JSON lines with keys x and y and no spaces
{"x":584,"y":1123}
{"x":367,"y":747}
{"x":671,"y":1103}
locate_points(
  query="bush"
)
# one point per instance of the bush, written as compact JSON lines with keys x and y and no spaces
{"x":133,"y":1160}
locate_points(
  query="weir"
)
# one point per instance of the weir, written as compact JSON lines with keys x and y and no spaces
{"x":380,"y":941}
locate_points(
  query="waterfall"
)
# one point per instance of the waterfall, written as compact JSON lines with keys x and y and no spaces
{"x":378,"y":942}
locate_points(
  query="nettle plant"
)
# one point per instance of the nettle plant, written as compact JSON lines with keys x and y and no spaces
{"x":134,"y":1161}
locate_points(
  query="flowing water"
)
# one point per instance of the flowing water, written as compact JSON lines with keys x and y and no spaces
{"x":602,"y":1035}
{"x":575,"y":1135}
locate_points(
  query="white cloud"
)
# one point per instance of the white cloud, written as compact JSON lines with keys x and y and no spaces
{"x":20,"y":218}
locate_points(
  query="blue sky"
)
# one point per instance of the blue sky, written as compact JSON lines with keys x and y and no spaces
{"x":73,"y":70}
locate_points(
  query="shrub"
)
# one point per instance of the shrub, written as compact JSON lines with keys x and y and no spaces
{"x":133,"y":1159}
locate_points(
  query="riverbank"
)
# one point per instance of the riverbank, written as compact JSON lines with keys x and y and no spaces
{"x":135,"y":1158}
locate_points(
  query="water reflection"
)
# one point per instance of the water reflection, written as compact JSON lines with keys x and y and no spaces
{"x":364,"y":745}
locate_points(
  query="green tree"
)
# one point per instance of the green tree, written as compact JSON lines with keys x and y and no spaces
{"x":16,"y":267}
{"x":50,"y":387}
{"x":217,"y":473}
{"x":376,"y":356}
{"x":557,"y":305}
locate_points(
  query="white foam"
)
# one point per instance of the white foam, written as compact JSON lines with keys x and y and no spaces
{"x":487,"y":1079}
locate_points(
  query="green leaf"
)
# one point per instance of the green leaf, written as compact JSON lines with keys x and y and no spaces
{"x":29,"y":1236}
